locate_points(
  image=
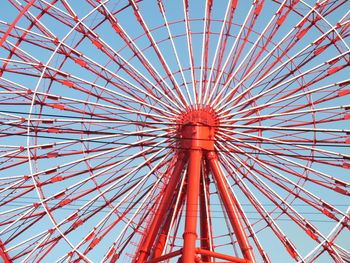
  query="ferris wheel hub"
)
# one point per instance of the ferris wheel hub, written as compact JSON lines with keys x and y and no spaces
{"x":197,"y":129}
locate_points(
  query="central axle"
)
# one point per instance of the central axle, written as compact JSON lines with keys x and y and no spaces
{"x":197,"y":130}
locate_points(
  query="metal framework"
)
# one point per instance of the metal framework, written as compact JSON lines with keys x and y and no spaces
{"x":174,"y":131}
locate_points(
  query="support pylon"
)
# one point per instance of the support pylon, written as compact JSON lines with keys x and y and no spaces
{"x":3,"y":254}
{"x":198,"y":157}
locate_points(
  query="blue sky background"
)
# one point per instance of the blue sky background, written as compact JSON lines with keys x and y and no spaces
{"x":154,"y":20}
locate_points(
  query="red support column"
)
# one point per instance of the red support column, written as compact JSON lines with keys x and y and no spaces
{"x":205,"y":226}
{"x":230,"y":204}
{"x":152,"y":232}
{"x":4,"y":255}
{"x":221,"y":256}
{"x":162,"y":238}
{"x":193,"y":183}
{"x":163,"y":232}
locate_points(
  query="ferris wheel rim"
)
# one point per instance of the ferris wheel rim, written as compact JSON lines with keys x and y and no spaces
{"x":234,"y":120}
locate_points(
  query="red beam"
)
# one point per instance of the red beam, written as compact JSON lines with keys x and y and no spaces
{"x":190,"y":234}
{"x":152,"y":231}
{"x":221,"y":256}
{"x":230,"y":204}
{"x":205,"y":224}
{"x":3,"y":254}
{"x":165,"y":257}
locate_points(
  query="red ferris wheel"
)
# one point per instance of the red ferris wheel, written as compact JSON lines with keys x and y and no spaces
{"x":174,"y":131}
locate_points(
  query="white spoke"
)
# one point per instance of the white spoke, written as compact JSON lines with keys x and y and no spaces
{"x":125,"y":197}
{"x":162,"y":10}
{"x":333,"y":29}
{"x":299,"y":95}
{"x":190,"y":50}
{"x":308,"y":193}
{"x":286,"y":159}
{"x":261,"y":209}
{"x":301,"y":219}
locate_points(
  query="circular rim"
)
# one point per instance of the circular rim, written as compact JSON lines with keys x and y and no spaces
{"x":259,"y":146}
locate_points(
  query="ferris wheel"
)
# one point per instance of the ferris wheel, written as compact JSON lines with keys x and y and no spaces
{"x":174,"y":131}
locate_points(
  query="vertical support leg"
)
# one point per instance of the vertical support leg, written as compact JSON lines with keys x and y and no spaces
{"x":179,"y":196}
{"x":205,"y":226}
{"x":230,"y":204}
{"x":154,"y":227}
{"x":163,"y":232}
{"x":4,"y":255}
{"x":193,"y":183}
